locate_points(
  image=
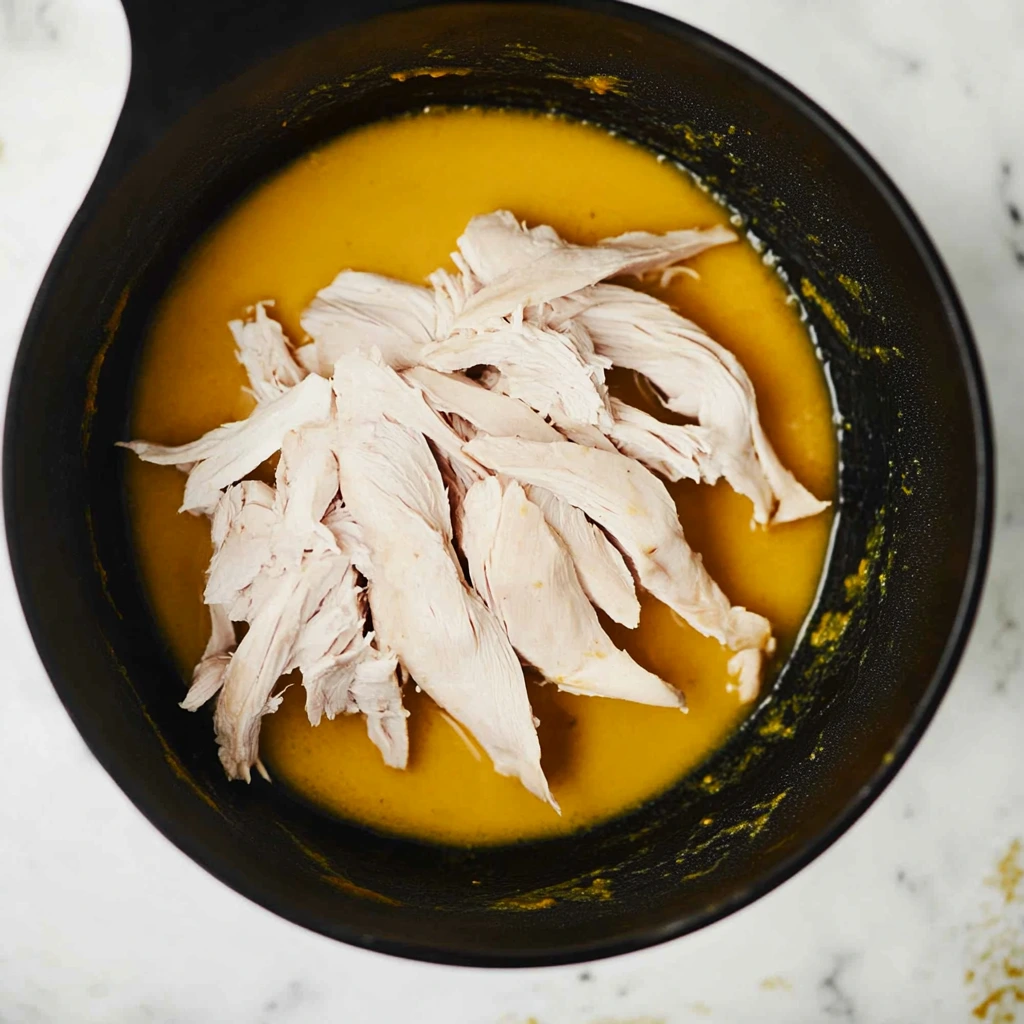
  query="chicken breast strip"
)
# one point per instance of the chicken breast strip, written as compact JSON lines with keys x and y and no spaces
{"x":697,"y":378}
{"x":601,"y":570}
{"x":508,"y":267}
{"x":517,"y":267}
{"x":553,"y":372}
{"x":208,"y":675}
{"x":442,"y":633}
{"x":376,"y":693}
{"x":262,"y":657}
{"x":242,"y":531}
{"x":634,"y":507}
{"x":371,"y":388}
{"x":265,"y":353}
{"x":357,"y":312}
{"x":343,"y":672}
{"x":525,"y":575}
{"x":489,"y":411}
{"x":307,"y":484}
{"x":347,"y":533}
{"x":329,"y":646}
{"x":334,"y":628}
{"x":227,"y":453}
{"x":676,"y":451}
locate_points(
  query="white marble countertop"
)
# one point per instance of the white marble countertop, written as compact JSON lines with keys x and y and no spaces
{"x":102,"y":919}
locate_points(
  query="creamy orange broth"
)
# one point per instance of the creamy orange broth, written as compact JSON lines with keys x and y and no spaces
{"x":392,"y":198}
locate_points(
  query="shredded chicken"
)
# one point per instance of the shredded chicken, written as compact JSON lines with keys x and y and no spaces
{"x":264,"y":352}
{"x":242,"y":530}
{"x":208,"y":675}
{"x":488,"y":411}
{"x":307,"y":482}
{"x":228,"y":453}
{"x":357,"y":312}
{"x":676,"y":451}
{"x":376,"y":693}
{"x":320,"y":630}
{"x":518,"y":267}
{"x":442,"y":632}
{"x":636,"y":510}
{"x":347,"y":534}
{"x":525,"y":574}
{"x":396,"y":468}
{"x":277,"y":566}
{"x":369,"y":386}
{"x":262,"y":657}
{"x":551,"y":371}
{"x":599,"y":565}
{"x":508,"y":269}
{"x":696,"y":378}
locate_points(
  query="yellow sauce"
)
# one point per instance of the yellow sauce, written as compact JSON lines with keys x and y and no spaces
{"x":392,"y":198}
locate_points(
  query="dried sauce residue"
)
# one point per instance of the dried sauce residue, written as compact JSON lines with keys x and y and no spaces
{"x":170,"y":757}
{"x":858,"y":291}
{"x":842,"y":328}
{"x":780,"y":719}
{"x":831,"y":315}
{"x":576,"y":890}
{"x":721,"y":839}
{"x":832,"y":624}
{"x":856,"y":584}
{"x":600,"y":85}
{"x":332,"y":877}
{"x":830,"y":630}
{"x":110,"y":329}
{"x":404,"y":76}
{"x":527,"y":51}
{"x":996,"y":981}
{"x":97,"y":563}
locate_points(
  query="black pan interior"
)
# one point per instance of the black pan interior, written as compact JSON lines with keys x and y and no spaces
{"x":915,"y":480}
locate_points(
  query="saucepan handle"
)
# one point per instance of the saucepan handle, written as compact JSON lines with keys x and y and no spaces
{"x":183,"y":50}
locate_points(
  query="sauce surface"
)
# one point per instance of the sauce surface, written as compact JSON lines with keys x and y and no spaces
{"x":392,"y":198}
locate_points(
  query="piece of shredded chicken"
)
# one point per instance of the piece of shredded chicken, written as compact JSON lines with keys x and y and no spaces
{"x":699,"y":379}
{"x":358,"y":311}
{"x":677,"y":451}
{"x":228,"y":453}
{"x":525,"y":574}
{"x":516,"y":267}
{"x":320,"y":631}
{"x":601,"y":570}
{"x":423,"y":609}
{"x":467,"y":423}
{"x":599,"y":565}
{"x":553,"y":372}
{"x":638,"y":513}
{"x":266,"y":355}
{"x":530,"y":276}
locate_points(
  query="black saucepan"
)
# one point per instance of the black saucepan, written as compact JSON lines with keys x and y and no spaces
{"x":222,"y":93}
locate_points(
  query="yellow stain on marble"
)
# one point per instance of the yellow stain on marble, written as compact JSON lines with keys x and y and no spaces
{"x":1009,"y":873}
{"x":996,"y":953}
